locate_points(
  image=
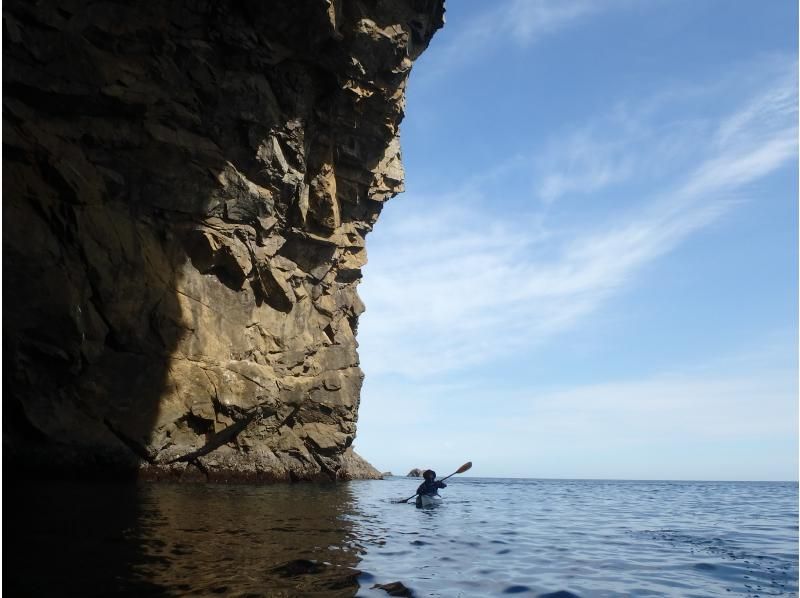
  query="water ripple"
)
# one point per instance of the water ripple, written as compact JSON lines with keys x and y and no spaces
{"x":551,"y":539}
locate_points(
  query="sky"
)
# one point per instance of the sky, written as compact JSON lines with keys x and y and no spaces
{"x":593,"y":270}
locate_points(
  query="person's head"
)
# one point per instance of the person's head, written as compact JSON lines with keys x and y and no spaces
{"x":429,"y":475}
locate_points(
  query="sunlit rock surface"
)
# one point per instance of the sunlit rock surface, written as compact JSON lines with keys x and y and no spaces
{"x":187,"y":187}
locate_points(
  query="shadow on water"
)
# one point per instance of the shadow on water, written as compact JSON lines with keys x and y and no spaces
{"x":72,"y":539}
{"x":176,"y":540}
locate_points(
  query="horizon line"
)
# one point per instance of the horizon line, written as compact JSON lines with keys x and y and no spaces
{"x":771,"y":481}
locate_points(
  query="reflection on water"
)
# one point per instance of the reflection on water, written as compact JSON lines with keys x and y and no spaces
{"x":159,"y":539}
{"x":489,"y":538}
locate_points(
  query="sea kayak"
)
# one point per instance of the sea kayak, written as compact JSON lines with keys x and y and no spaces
{"x":426,"y":500}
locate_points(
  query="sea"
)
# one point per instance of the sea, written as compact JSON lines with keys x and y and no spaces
{"x":489,"y":537}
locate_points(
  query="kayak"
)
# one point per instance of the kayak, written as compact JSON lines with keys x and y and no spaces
{"x":426,"y":500}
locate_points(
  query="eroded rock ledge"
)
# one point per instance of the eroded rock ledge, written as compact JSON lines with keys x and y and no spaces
{"x":187,"y":189}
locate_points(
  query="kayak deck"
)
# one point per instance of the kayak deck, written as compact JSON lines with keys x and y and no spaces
{"x":425,"y":500}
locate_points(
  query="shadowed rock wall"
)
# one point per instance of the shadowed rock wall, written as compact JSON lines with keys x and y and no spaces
{"x":187,"y":188}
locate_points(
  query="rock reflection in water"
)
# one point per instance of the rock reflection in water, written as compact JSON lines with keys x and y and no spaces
{"x":282,"y":540}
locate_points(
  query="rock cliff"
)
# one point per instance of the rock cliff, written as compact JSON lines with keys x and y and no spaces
{"x":187,"y":189}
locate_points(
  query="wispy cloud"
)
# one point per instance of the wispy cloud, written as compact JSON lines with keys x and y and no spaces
{"x":598,"y":156}
{"x":659,"y":417}
{"x":582,"y":164}
{"x":529,"y":20}
{"x":522,"y":21}
{"x":462,"y":284}
{"x":632,"y":413}
{"x":663,"y":426}
{"x":712,"y":420}
{"x":763,"y":115}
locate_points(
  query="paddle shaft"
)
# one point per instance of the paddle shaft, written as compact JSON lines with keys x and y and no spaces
{"x":450,"y":476}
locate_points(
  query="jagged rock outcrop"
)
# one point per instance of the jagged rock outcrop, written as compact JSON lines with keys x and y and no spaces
{"x":355,"y":467}
{"x":187,"y":189}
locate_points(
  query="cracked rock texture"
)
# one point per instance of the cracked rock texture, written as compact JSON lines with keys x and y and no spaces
{"x":187,"y":189}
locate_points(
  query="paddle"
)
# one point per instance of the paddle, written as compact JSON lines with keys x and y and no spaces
{"x":461,"y":469}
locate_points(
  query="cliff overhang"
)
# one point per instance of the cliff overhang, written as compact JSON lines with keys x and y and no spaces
{"x":187,"y":190}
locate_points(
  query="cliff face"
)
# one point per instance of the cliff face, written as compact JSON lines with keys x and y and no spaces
{"x":187,"y":188}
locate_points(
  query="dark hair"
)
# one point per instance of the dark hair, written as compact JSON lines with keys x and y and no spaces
{"x":429,"y":474}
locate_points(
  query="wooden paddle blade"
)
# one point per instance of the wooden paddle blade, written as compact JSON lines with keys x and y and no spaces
{"x":464,"y":467}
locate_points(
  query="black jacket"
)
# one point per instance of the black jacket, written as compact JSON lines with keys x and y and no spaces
{"x":430,"y":488}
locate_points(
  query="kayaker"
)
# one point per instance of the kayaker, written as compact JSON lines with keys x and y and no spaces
{"x":430,"y":487}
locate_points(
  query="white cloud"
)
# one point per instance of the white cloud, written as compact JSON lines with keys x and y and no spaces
{"x":529,"y":20}
{"x":715,"y":420}
{"x":453,"y":283}
{"x":592,"y":158}
{"x":717,"y":427}
{"x":582,"y":164}
{"x":523,"y":21}
{"x":667,"y":407}
{"x":766,"y":113}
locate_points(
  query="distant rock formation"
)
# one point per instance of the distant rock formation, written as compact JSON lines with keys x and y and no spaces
{"x":415,"y":473}
{"x":187,"y":189}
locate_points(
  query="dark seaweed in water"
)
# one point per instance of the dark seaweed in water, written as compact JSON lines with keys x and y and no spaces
{"x":545,"y":538}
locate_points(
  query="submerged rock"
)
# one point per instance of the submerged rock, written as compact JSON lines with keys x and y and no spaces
{"x":188,"y":187}
{"x":395,"y":588}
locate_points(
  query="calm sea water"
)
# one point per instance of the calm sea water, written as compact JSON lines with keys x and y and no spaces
{"x":491,"y":537}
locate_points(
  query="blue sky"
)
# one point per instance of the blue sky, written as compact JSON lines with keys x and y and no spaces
{"x":593,"y":271}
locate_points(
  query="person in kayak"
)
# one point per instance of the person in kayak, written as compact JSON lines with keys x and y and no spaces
{"x":430,"y":487}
